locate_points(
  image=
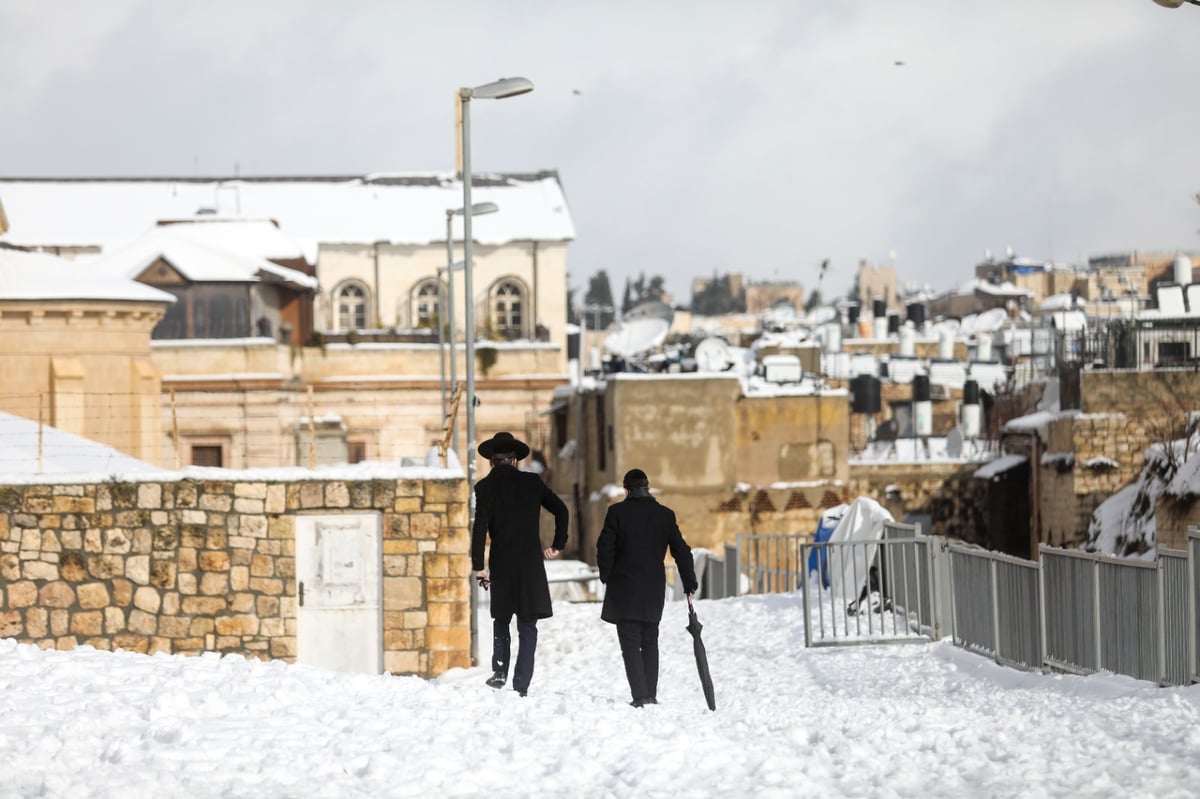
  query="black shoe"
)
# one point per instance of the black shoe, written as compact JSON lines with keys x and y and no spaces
{"x":497,"y":679}
{"x":650,"y":700}
{"x":636,"y":703}
{"x":520,"y":693}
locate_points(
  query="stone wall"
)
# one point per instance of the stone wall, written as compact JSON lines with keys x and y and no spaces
{"x":191,"y":565}
{"x":946,"y":491}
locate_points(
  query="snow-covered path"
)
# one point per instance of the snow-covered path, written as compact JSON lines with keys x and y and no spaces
{"x":916,"y":720}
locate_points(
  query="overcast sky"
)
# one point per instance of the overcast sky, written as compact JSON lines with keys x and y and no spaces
{"x":690,"y":136}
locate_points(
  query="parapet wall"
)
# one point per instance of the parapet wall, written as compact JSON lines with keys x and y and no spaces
{"x":193,"y":565}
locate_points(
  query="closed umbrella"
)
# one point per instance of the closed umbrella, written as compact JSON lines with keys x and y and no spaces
{"x":694,"y":627}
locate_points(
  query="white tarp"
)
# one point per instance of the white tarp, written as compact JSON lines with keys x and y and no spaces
{"x":849,"y":566}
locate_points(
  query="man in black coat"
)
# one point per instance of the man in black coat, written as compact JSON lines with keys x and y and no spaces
{"x":630,"y":552}
{"x":508,"y":505}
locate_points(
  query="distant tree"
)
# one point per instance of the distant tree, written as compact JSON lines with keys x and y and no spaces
{"x":642,"y":290}
{"x":599,"y":293}
{"x":572,"y":313}
{"x":717,"y":297}
{"x":813,"y":302}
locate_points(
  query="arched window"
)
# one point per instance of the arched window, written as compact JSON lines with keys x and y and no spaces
{"x":426,"y":305}
{"x":508,"y":303}
{"x":351,"y":302}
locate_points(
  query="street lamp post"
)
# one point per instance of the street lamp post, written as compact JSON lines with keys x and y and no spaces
{"x":498,"y":90}
{"x":478,"y":209}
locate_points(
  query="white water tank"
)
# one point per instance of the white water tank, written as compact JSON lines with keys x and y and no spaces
{"x":983,"y":346}
{"x":833,"y":337}
{"x":908,"y":341}
{"x":945,"y":343}
{"x":1183,"y":270}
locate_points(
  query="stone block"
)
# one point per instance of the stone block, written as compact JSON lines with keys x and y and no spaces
{"x":437,"y":565}
{"x":187,"y":560}
{"x":446,"y":491}
{"x":241,"y":556}
{"x":203,"y":605}
{"x":57,"y":594}
{"x":12,"y":624}
{"x":443,"y":660}
{"x":214,"y":583}
{"x":285,"y":567}
{"x":425,"y":525}
{"x":104,"y":567}
{"x":142,"y":538}
{"x":149,"y":495}
{"x":283,"y":647}
{"x":90,"y":622}
{"x":221,"y":503}
{"x":36,"y":623}
{"x":65,"y":643}
{"x":147,"y":599}
{"x":401,"y":593}
{"x":60,"y":621}
{"x":336,"y":494}
{"x":401,"y":663}
{"x":447,"y":590}
{"x":262,"y":566}
{"x":242,"y":602}
{"x":266,"y":606}
{"x":72,"y":539}
{"x":214,"y":561}
{"x":162,"y":574}
{"x":114,"y":620}
{"x":282,"y":527}
{"x":244,"y":542}
{"x":122,"y":592}
{"x":22,"y":594}
{"x":159,"y":643}
{"x":187,"y":583}
{"x":31,"y":540}
{"x":312,"y":495}
{"x":74,"y":505}
{"x":242,"y":624}
{"x":201,"y":627}
{"x":10,"y":567}
{"x":72,"y":566}
{"x":448,"y":638}
{"x":137,"y":569}
{"x":407,"y":505}
{"x":253,"y":526}
{"x":142,"y":622}
{"x":216,"y":538}
{"x":276,"y":499}
{"x":398,"y":639}
{"x":132,"y":643}
{"x":239,"y":578}
{"x":416,"y":620}
{"x":50,"y":539}
{"x":93,"y":595}
{"x":267,"y":585}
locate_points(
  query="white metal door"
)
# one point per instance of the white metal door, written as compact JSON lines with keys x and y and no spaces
{"x":338,"y":620}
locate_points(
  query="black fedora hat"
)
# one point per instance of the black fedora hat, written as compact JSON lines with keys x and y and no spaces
{"x":504,"y":444}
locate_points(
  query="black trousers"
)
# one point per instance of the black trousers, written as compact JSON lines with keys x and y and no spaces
{"x":639,"y":650}
{"x":526,"y":647}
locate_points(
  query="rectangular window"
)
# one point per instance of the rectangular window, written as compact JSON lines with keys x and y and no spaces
{"x":1172,"y":353}
{"x":356,"y":451}
{"x":207,"y":455}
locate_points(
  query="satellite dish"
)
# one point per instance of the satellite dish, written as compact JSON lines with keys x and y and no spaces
{"x":712,"y":355}
{"x":651,"y":309}
{"x":635,"y":336}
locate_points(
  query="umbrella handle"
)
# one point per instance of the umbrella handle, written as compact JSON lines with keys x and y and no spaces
{"x":689,"y":599}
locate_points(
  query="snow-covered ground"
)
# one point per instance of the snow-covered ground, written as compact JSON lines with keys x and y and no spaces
{"x":916,"y":720}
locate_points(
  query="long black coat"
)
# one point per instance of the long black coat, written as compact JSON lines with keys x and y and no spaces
{"x":508,"y":506}
{"x":630,"y":552}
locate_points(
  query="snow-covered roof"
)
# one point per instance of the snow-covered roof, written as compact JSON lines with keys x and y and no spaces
{"x":39,"y":276}
{"x":998,"y":466}
{"x":404,"y":209}
{"x":187,"y":248}
{"x":61,"y":452}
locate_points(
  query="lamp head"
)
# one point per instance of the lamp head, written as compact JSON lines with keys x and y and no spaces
{"x":498,"y":90}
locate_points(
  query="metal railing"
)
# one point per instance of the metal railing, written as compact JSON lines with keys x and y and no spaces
{"x":1069,"y":611}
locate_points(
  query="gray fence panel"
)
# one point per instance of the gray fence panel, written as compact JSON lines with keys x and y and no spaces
{"x":974,"y":620}
{"x":1193,"y":581}
{"x":771,"y":563}
{"x":733,"y":570}
{"x":1070,"y":611}
{"x":1129,"y":619}
{"x":1173,"y":571}
{"x":1018,"y":613}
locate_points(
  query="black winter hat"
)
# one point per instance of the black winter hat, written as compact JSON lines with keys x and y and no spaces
{"x":504,"y":444}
